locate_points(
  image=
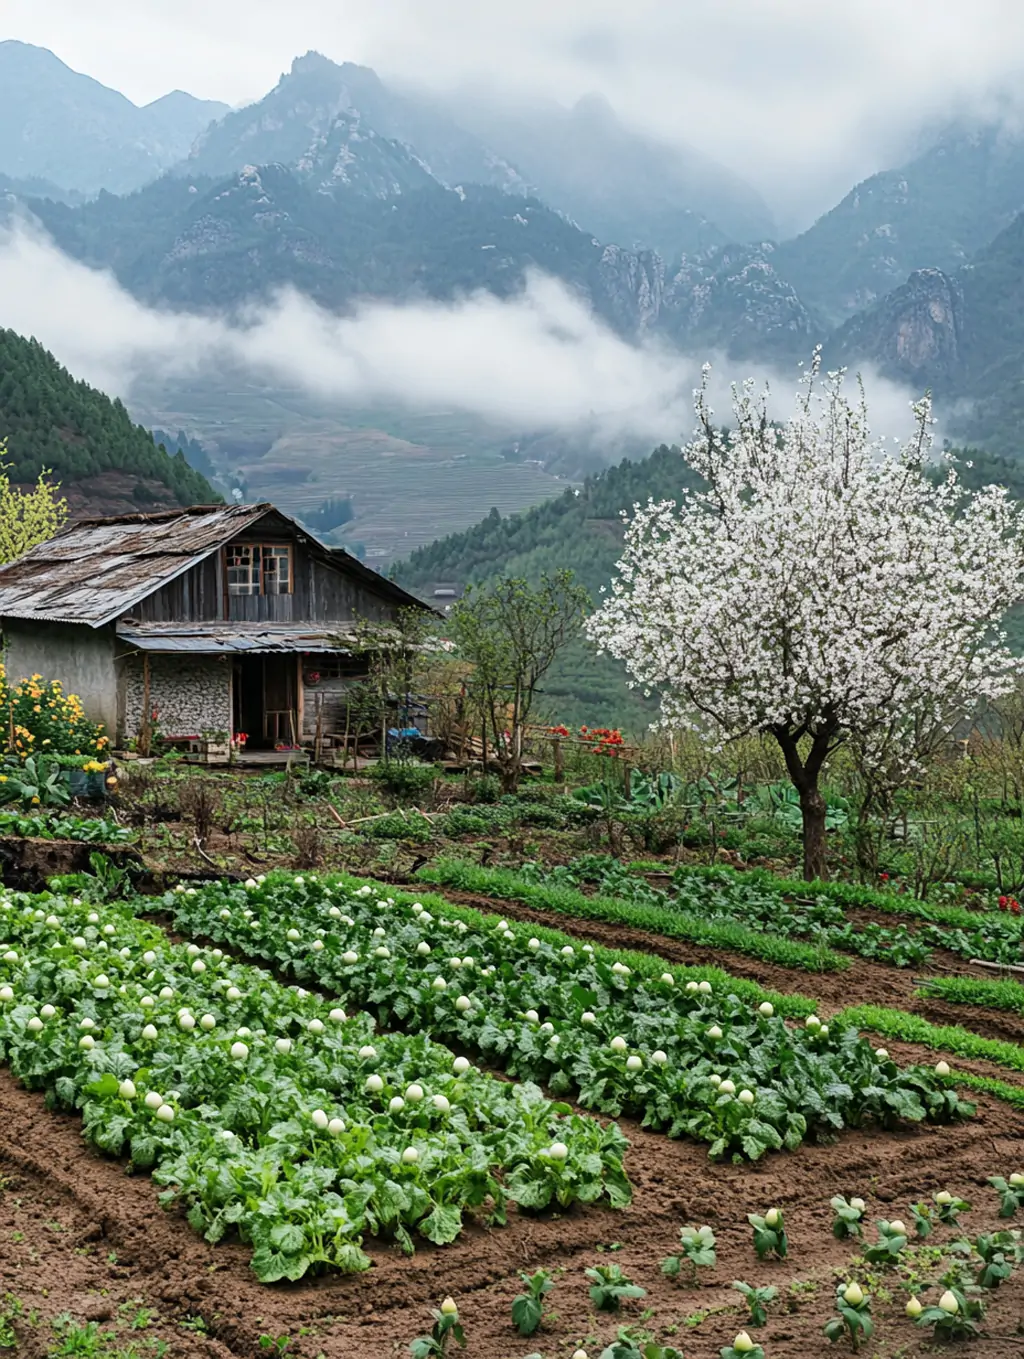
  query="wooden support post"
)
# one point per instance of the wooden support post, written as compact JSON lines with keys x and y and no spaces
{"x":146,"y":730}
{"x":627,"y":780}
{"x":318,"y":736}
{"x":559,"y":752}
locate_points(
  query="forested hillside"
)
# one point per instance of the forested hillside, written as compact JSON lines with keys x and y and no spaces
{"x":103,"y":461}
{"x":581,"y":529}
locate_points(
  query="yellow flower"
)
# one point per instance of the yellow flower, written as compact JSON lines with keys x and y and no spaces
{"x":35,"y":800}
{"x":37,"y":708}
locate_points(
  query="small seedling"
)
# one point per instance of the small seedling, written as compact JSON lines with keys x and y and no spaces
{"x":610,"y":1286}
{"x":12,"y":1309}
{"x":892,"y":1241}
{"x":1011,"y":1193}
{"x":625,"y":1346}
{"x":757,"y":1300}
{"x":854,"y":1319}
{"x":275,"y":1345}
{"x":741,"y":1348}
{"x":992,"y":1249}
{"x":949,"y":1207}
{"x":955,"y":1317}
{"x":922,"y":1215}
{"x":769,"y":1234}
{"x":848,"y":1216}
{"x":446,"y":1327}
{"x":73,"y":1339}
{"x":698,"y":1252}
{"x":528,"y":1307}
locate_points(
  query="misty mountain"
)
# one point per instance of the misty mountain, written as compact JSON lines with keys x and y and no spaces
{"x":33,"y":187}
{"x":618,"y":184}
{"x":621,"y":184}
{"x":732,"y":300}
{"x":935,"y":212}
{"x":360,"y":218}
{"x":58,"y":125}
{"x":301,"y":112}
{"x":209,"y":245}
{"x":959,"y":334}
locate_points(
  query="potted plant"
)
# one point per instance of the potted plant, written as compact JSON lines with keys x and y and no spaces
{"x":216,"y":746}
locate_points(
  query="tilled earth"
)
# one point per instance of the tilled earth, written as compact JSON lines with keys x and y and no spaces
{"x":78,"y":1236}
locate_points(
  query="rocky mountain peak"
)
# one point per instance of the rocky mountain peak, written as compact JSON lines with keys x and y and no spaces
{"x":913,"y":334}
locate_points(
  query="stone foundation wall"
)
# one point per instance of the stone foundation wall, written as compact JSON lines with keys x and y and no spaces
{"x":190,"y":694}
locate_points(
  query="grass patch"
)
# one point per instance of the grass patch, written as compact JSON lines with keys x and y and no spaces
{"x":843,"y":894}
{"x":1012,"y":1094}
{"x":993,"y":995}
{"x":950,"y":1038}
{"x":505,"y":884}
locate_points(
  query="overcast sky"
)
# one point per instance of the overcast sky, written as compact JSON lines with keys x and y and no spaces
{"x":801,"y":98}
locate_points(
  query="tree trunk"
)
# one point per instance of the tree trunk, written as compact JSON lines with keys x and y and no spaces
{"x":812,"y":805}
{"x":804,"y":774}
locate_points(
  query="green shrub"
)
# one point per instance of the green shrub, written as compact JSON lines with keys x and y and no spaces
{"x":403,"y":779}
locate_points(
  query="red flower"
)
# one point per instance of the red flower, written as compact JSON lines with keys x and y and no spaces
{"x":884,"y":877}
{"x":1002,"y":902}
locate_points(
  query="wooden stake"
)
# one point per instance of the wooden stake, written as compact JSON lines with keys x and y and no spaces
{"x":146,"y":730}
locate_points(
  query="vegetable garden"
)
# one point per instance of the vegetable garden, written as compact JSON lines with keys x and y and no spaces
{"x":397,"y":1062}
{"x":304,"y":1071}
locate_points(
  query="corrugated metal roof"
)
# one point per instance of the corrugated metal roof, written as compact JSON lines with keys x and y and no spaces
{"x":215,"y":639}
{"x":97,"y":568}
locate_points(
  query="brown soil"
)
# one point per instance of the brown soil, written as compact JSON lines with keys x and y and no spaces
{"x":28,"y":864}
{"x":77,"y":1235}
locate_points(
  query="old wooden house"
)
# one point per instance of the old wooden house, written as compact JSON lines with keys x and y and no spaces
{"x":219,"y":619}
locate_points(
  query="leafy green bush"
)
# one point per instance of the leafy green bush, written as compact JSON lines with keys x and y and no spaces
{"x":395,"y":826}
{"x":404,"y":779}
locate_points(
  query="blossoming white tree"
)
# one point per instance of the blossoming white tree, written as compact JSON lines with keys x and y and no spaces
{"x":818,"y":587}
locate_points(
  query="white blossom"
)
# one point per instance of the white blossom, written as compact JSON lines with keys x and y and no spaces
{"x":817,"y":585}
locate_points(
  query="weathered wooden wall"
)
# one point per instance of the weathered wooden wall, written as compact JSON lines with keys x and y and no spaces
{"x":321,"y":593}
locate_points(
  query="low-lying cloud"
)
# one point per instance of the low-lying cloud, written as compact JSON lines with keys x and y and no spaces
{"x":539,"y":360}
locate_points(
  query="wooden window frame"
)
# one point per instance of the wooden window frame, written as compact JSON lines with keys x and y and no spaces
{"x":259,"y":555}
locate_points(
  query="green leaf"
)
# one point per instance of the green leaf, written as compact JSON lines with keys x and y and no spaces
{"x":526,"y":1314}
{"x":443,"y":1225}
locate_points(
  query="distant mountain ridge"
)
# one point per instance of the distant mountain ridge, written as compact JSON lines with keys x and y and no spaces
{"x":219,"y":244}
{"x":61,"y":126}
{"x":361,"y":219}
{"x":960,"y":334}
{"x":303,"y":110}
{"x":621,"y":184}
{"x":617,"y":184}
{"x":935,"y":212}
{"x":348,"y":188}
